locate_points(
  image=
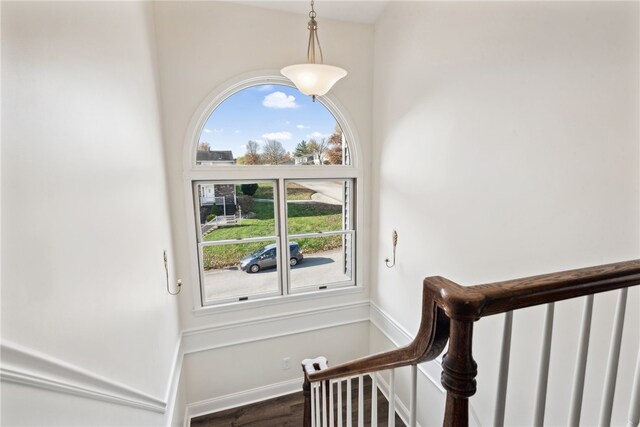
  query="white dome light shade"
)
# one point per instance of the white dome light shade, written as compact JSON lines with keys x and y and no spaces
{"x":313,"y":79}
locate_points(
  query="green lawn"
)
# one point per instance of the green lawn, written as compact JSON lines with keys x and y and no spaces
{"x":303,"y":218}
{"x":294,"y":191}
{"x":298,"y":192}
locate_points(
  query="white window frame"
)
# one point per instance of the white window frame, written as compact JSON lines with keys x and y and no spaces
{"x":194,"y":173}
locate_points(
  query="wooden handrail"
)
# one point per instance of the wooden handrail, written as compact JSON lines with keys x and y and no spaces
{"x":429,"y":342}
{"x":449,"y":311}
{"x":474,"y":302}
{"x":465,"y":305}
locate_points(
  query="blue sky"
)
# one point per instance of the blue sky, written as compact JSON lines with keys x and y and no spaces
{"x":266,"y":112}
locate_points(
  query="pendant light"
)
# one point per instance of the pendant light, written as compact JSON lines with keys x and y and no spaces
{"x":313,"y":79}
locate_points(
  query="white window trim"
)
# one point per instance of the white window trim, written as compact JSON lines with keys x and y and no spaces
{"x":193,"y":172}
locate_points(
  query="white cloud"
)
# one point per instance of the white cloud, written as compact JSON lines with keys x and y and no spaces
{"x":207,"y":131}
{"x":318,"y":135}
{"x":279,"y":100}
{"x":279,"y":136}
{"x":218,"y":130}
{"x":302,"y":127}
{"x":264,"y":88}
{"x":236,"y":132}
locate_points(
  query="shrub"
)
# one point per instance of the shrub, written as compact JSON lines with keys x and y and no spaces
{"x":210,"y":217}
{"x":249,"y":189}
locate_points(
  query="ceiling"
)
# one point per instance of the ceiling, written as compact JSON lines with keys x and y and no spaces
{"x":361,"y":11}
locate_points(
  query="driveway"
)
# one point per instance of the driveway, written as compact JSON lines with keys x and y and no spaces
{"x":326,"y":191}
{"x":316,"y":269}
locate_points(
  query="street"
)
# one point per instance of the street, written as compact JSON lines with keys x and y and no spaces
{"x":315,"y":269}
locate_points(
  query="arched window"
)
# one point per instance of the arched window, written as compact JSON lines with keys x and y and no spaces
{"x":274,"y":179}
{"x":271,"y":124}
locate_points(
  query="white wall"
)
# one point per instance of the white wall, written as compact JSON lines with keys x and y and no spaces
{"x":85,"y":211}
{"x":506,"y":144}
{"x":201,"y":46}
{"x":259,"y":363}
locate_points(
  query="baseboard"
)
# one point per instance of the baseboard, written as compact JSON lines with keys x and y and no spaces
{"x":401,"y":337}
{"x":242,"y":398}
{"x":26,"y":366}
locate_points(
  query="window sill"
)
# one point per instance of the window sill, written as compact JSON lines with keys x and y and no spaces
{"x":274,"y":301}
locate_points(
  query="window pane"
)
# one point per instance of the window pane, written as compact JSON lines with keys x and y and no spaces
{"x":317,"y":206}
{"x":236,"y":210}
{"x":271,"y":125}
{"x":239,"y":270}
{"x":320,"y":261}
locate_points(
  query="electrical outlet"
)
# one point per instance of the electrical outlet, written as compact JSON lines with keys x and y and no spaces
{"x":285,"y":363}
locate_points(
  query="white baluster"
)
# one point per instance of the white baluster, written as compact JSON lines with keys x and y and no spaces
{"x":392,"y":398}
{"x":614,"y":357}
{"x":313,"y":405}
{"x":634,"y":404}
{"x":331,"y":404}
{"x":360,"y":401}
{"x":543,"y":372}
{"x":339,"y":403}
{"x":503,"y":374}
{"x":324,"y":404}
{"x":318,"y":409}
{"x":581,"y":363}
{"x":374,"y":400}
{"x":349,"y":411}
{"x":413,"y":399}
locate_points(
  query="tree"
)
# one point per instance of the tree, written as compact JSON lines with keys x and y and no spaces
{"x":334,"y":152}
{"x":318,"y":148}
{"x":273,"y":153}
{"x":252,"y":157}
{"x":302,"y":149}
{"x":249,"y":189}
{"x":204,"y":146}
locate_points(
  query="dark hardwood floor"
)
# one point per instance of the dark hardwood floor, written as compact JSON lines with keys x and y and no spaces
{"x":286,"y":411}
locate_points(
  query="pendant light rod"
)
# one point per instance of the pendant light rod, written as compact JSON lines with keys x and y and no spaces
{"x":312,"y":26}
{"x":313,"y":78}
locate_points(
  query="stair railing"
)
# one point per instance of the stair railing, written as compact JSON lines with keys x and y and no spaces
{"x":449,"y":311}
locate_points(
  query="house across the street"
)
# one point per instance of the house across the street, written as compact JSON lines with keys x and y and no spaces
{"x":215,"y":157}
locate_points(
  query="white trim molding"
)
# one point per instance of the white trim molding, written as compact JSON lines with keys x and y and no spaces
{"x":265,"y":328}
{"x":400,"y":337}
{"x":242,"y":398}
{"x":25,"y":366}
{"x":174,"y":382}
{"x":29,"y":367}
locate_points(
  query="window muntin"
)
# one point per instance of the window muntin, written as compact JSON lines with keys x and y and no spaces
{"x":322,"y":224}
{"x":223,"y":209}
{"x":231,"y":283}
{"x":232,"y":243}
{"x":239,"y":254}
{"x":212,"y":172}
{"x":278,"y":125}
{"x":325,"y":268}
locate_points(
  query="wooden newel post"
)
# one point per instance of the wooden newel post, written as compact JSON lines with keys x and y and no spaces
{"x":459,"y":373}
{"x":306,"y":392}
{"x":309,"y":366}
